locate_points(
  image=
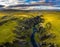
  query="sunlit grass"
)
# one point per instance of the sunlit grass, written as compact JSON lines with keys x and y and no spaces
{"x":6,"y":32}
{"x":52,"y":17}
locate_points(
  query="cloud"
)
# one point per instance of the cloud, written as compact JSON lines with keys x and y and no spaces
{"x":14,"y":2}
{"x":36,"y":8}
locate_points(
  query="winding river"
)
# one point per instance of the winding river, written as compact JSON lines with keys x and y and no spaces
{"x":33,"y":36}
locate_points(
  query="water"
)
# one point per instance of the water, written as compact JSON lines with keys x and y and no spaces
{"x":32,"y":37}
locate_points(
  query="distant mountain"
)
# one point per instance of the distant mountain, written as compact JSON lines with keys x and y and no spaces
{"x":1,"y":5}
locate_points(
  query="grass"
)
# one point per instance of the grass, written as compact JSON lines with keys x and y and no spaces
{"x":53,"y":17}
{"x":6,"y":32}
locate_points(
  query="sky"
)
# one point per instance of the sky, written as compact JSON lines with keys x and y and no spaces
{"x":12,"y":2}
{"x":16,"y":2}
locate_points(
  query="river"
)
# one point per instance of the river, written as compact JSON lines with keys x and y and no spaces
{"x":33,"y":42}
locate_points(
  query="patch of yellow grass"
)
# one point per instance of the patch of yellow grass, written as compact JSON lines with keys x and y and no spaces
{"x":53,"y":17}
